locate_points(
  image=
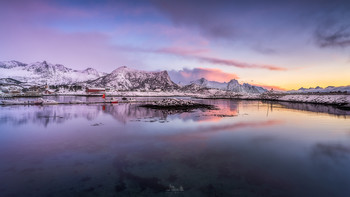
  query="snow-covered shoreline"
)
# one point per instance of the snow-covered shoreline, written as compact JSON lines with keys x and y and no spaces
{"x":341,"y":99}
{"x":329,"y":99}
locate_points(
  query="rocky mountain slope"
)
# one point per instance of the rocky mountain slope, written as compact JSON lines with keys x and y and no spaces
{"x":124,"y":78}
{"x":204,"y":83}
{"x":121,"y":79}
{"x":40,"y":73}
{"x":232,"y":85}
{"x":329,"y":89}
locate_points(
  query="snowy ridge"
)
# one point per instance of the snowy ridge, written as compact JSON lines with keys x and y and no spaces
{"x":40,"y":73}
{"x":232,"y":85}
{"x":334,"y":99}
{"x":323,"y":90}
{"x":124,"y":78}
{"x":204,"y":83}
{"x":9,"y":81}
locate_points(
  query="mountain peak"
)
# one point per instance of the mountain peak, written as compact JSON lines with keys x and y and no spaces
{"x":124,"y":78}
{"x":87,"y":69}
{"x":233,"y":81}
{"x":43,"y":72}
{"x":199,"y":81}
{"x":233,"y":85}
{"x":92,"y":71}
{"x":202,"y":80}
{"x":11,"y":64}
{"x":124,"y":69}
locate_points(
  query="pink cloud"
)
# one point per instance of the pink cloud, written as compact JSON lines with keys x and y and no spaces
{"x":239,"y":64}
{"x":194,"y":54}
{"x":203,"y":133}
{"x":231,"y":127}
{"x":212,"y":74}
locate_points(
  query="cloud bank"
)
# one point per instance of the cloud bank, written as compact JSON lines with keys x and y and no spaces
{"x":187,"y":75}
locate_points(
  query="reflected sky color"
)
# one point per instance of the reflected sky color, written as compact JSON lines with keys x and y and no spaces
{"x":286,"y":44}
{"x":251,"y":149}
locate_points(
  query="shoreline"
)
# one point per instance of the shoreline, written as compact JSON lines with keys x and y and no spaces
{"x":341,"y":101}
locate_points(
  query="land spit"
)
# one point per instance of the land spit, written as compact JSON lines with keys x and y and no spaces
{"x":178,"y":104}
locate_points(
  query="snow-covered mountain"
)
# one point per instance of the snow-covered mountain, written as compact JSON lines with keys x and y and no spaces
{"x":43,"y":72}
{"x":124,"y":78}
{"x":202,"y":82}
{"x":323,"y":90}
{"x":9,"y":81}
{"x":232,"y":85}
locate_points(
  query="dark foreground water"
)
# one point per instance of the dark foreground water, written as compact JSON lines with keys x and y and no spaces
{"x":247,"y":148}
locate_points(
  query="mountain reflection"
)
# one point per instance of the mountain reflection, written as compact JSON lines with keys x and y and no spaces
{"x":318,"y":108}
{"x":234,"y":151}
{"x":46,"y":115}
{"x":126,"y":112}
{"x":335,"y":151}
{"x":203,"y":133}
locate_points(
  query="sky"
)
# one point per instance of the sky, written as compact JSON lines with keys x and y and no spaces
{"x":276,"y":44}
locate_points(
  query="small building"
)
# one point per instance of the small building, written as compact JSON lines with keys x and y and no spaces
{"x":95,"y":90}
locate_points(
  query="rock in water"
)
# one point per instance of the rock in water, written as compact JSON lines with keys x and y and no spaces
{"x":178,"y":104}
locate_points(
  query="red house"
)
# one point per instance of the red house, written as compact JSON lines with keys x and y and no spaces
{"x":95,"y":90}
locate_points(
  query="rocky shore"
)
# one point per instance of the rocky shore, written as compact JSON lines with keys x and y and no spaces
{"x":178,"y":104}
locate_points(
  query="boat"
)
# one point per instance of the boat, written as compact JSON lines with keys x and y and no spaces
{"x":113,"y":100}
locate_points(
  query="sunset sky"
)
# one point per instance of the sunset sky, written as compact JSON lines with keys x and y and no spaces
{"x":282,"y":44}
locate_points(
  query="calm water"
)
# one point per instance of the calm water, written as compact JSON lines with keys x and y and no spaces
{"x":247,"y":148}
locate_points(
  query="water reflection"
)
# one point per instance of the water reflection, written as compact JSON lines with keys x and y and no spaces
{"x":125,"y":112}
{"x":318,"y":108}
{"x":45,"y":115}
{"x":335,"y":152}
{"x":234,"y":151}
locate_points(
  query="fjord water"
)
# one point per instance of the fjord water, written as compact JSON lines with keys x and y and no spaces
{"x":247,"y":148}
